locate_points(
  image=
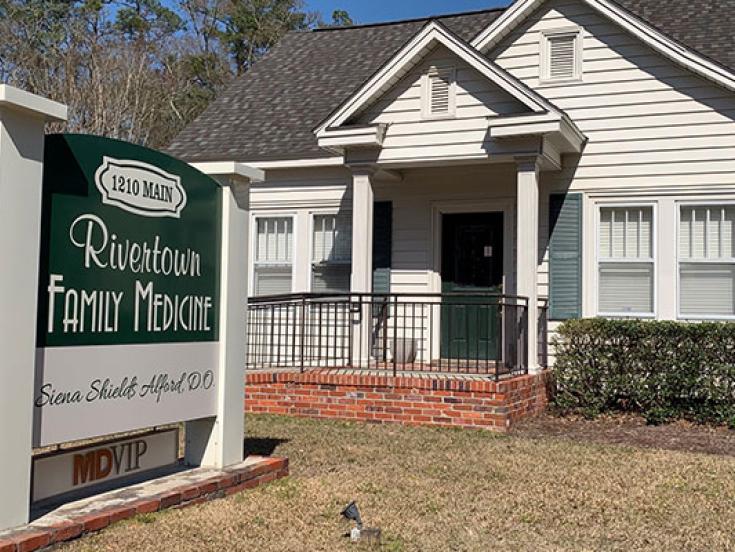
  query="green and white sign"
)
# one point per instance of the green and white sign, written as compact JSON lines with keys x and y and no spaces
{"x":129,"y":290}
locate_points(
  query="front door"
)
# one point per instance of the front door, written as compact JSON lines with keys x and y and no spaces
{"x":472,"y":261}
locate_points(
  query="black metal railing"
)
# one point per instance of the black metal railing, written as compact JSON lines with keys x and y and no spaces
{"x":467,"y":333}
{"x":543,"y":333}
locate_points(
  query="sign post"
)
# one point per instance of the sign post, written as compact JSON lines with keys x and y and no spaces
{"x":218,"y":441}
{"x":22,"y":120}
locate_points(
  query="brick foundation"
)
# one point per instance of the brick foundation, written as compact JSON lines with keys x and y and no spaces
{"x":435,"y":400}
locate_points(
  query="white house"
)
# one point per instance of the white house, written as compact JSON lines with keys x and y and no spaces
{"x":577,"y":150}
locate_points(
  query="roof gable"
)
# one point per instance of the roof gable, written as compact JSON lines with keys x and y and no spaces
{"x":647,"y":33}
{"x":432,"y":35}
{"x":473,"y":94}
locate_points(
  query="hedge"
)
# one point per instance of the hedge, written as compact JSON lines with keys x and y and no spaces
{"x":663,"y":370}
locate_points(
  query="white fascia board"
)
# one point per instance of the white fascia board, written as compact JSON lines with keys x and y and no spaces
{"x":336,"y":161}
{"x":572,"y":135}
{"x":557,"y":127}
{"x":432,"y":33}
{"x":524,"y":128}
{"x":653,"y":38}
{"x":278,"y":164}
{"x":230,"y":168}
{"x":15,"y":98}
{"x":355,"y":137}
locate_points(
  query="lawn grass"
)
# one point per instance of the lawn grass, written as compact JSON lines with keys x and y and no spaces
{"x":443,"y":489}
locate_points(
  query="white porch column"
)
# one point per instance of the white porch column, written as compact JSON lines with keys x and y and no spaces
{"x":362,"y":231}
{"x":527,"y":249}
{"x":22,"y":119}
{"x":361,"y":280}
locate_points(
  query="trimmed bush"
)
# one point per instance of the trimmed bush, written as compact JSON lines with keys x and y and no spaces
{"x":663,"y":370}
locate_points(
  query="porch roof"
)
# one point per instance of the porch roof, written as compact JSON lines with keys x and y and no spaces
{"x":542,"y":118}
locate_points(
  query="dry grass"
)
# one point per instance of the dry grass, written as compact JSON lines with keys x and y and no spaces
{"x":432,"y":489}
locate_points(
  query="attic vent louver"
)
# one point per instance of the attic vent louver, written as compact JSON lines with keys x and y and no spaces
{"x":440,"y":91}
{"x":562,"y":60}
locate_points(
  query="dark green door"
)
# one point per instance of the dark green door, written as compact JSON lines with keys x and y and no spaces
{"x":472,"y":261}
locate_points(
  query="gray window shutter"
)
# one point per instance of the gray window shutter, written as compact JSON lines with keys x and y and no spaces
{"x":382,"y":245}
{"x":565,"y":256}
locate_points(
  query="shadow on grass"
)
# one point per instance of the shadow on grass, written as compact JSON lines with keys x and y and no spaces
{"x":262,"y":446}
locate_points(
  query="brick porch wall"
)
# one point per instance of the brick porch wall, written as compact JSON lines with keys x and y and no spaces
{"x":439,"y":401}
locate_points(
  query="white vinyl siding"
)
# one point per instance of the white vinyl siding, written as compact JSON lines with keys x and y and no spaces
{"x":626,"y":263}
{"x":273,"y":259}
{"x":331,"y":253}
{"x":649,"y":122}
{"x":707,"y":261}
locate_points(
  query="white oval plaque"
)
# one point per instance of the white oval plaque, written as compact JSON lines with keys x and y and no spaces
{"x":140,"y":188}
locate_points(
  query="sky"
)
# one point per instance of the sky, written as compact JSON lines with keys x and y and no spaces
{"x":373,"y":11}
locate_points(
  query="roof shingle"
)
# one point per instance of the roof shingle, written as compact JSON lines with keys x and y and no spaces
{"x":270,"y":112}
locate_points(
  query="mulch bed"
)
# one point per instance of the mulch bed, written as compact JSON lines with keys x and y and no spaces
{"x":629,"y":430}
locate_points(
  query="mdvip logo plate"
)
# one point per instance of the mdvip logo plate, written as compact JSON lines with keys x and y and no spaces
{"x":140,"y":188}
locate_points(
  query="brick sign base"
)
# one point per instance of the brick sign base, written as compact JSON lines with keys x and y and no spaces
{"x":437,"y":401}
{"x":224,"y":483}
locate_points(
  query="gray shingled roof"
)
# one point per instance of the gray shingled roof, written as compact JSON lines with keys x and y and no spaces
{"x":270,"y":112}
{"x":705,"y":26}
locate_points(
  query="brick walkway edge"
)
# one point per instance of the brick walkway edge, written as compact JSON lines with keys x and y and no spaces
{"x":224,"y":483}
{"x":416,"y":400}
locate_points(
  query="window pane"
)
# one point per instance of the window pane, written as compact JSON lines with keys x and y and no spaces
{"x":626,"y":233}
{"x":706,"y":232}
{"x":685,"y":233}
{"x":606,"y":233}
{"x":272,"y":280}
{"x":332,"y":238}
{"x":331,"y":278}
{"x":707,"y":290}
{"x":618,"y":233}
{"x":728,"y":232}
{"x":274,"y":240}
{"x":626,"y":288}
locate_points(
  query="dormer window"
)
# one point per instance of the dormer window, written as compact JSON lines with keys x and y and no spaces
{"x":561,"y":55}
{"x":439,"y":92}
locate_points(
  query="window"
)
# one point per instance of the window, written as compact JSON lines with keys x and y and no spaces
{"x":626,"y":261}
{"x":561,"y":56}
{"x":331,"y":254}
{"x":707,"y":261}
{"x":439,"y":92}
{"x":272,"y":266}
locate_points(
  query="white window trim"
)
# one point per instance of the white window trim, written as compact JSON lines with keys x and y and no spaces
{"x":254,"y":241}
{"x":599,"y":205}
{"x":696,"y":203}
{"x":426,"y":94}
{"x":545,"y":61}
{"x":310,"y":244}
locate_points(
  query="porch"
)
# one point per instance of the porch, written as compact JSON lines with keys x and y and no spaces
{"x":459,"y":333}
{"x":450,"y":359}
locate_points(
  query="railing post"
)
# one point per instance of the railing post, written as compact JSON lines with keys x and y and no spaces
{"x":302,"y":344}
{"x":394,"y":346}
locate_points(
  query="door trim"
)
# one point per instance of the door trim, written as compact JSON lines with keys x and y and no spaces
{"x":505,"y":206}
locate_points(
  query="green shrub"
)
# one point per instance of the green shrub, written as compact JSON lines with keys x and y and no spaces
{"x":663,"y":370}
